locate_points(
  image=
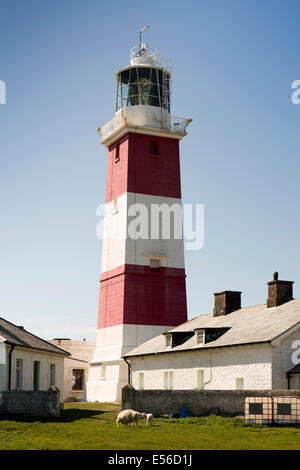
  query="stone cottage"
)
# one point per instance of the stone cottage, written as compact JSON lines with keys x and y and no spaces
{"x":28,"y":362}
{"x":234,"y":348}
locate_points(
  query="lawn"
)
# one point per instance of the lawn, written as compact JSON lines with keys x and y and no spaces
{"x":92,"y":426}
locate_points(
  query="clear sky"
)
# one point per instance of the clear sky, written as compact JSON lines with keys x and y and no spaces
{"x":234,"y":62}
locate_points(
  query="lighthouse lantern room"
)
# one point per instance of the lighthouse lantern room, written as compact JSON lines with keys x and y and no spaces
{"x":142,"y":283}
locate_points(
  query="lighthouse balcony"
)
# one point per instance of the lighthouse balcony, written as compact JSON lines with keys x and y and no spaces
{"x":143,"y":118}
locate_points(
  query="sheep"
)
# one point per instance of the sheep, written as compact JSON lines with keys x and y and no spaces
{"x":128,"y":417}
{"x":148,"y":417}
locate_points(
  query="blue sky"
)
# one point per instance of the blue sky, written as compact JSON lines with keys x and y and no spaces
{"x":234,"y":62}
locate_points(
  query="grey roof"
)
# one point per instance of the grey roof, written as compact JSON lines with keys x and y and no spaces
{"x":294,"y":370}
{"x":18,"y":336}
{"x":247,"y":325}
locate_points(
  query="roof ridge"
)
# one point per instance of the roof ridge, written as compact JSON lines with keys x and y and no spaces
{"x":35,"y":336}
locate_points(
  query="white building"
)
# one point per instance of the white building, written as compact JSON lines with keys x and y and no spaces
{"x":28,"y":362}
{"x":76,"y":367}
{"x":252,"y":348}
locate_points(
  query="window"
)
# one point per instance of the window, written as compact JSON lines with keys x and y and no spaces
{"x":200,"y":379}
{"x":168,"y":341}
{"x":284,"y":408}
{"x":155,"y":264}
{"x":52,"y":375}
{"x":168,"y":380}
{"x":239,"y":384}
{"x":117,"y":153}
{"x":255,"y":408}
{"x":141,"y":381}
{"x":200,"y":336}
{"x":103,"y":371}
{"x":36,"y":375}
{"x":153,"y":148}
{"x":296,"y":382}
{"x":115,"y":206}
{"x":19,"y":374}
{"x":77,"y":379}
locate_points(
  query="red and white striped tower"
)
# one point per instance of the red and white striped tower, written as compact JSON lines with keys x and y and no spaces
{"x":142,"y":281}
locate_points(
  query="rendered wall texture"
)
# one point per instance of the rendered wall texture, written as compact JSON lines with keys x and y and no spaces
{"x":221,"y":368}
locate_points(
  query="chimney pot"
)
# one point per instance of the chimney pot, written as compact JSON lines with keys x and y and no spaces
{"x":279,"y":292}
{"x":226,"y":302}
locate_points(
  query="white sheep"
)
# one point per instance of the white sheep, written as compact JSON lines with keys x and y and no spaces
{"x":148,"y":417}
{"x":128,"y":417}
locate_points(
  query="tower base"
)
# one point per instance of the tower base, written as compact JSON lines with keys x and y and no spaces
{"x":102,"y":389}
{"x":108,"y":372}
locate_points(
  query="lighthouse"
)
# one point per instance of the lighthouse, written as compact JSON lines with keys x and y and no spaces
{"x":142,"y":282}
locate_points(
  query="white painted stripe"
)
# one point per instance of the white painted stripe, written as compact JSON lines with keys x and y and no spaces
{"x":117,"y":250}
{"x":115,"y":341}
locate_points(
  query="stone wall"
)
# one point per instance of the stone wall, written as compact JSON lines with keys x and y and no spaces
{"x":198,"y":402}
{"x":32,"y":403}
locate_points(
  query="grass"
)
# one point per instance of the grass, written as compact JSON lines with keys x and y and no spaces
{"x":92,"y":426}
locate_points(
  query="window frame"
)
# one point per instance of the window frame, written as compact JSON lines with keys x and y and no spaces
{"x":36,"y":375}
{"x":82,"y":378}
{"x":242,"y":381}
{"x":52,"y":374}
{"x":168,"y":339}
{"x":117,"y":153}
{"x":19,"y":374}
{"x":153,"y":148}
{"x":103,"y":371}
{"x":198,"y":332}
{"x":141,"y":379}
{"x":200,"y":372}
{"x":168,"y":380}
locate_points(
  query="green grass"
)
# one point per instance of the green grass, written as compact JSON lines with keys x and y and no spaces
{"x":92,"y":426}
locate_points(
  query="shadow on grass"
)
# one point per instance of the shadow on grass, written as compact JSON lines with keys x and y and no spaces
{"x":66,"y":416}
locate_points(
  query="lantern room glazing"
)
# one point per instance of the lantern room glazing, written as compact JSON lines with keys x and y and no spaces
{"x":143,"y":85}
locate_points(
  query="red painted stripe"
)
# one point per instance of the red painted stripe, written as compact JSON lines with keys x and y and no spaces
{"x":138,"y":295}
{"x":133,"y":169}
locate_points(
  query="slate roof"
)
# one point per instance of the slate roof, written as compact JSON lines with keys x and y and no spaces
{"x":247,"y":325}
{"x":15,"y":335}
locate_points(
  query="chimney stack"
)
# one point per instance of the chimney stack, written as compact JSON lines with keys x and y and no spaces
{"x":226,"y":302}
{"x":279,"y":292}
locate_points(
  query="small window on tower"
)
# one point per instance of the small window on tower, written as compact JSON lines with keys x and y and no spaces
{"x":154,"y":264}
{"x":117,"y":153}
{"x":153,"y":147}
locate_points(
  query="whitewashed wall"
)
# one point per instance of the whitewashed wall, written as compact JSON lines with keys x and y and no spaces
{"x":221,"y":368}
{"x":108,"y":386}
{"x":81,"y":353}
{"x":282,"y":359}
{"x":3,"y":368}
{"x":28,"y":357}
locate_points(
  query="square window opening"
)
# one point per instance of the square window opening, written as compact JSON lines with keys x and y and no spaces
{"x":153,"y":147}
{"x":117,"y":153}
{"x":155,"y":264}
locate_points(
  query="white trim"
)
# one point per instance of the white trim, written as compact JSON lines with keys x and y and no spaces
{"x":140,"y":130}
